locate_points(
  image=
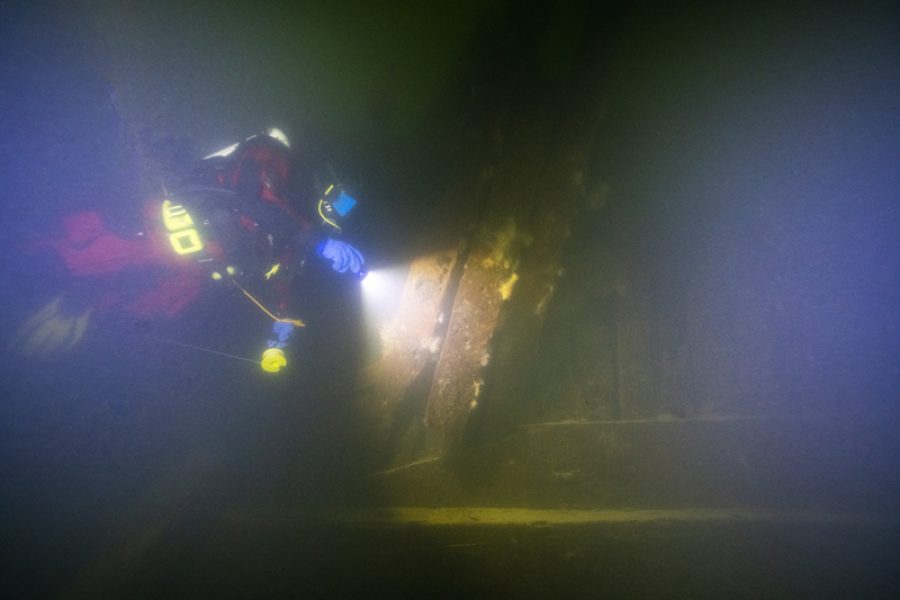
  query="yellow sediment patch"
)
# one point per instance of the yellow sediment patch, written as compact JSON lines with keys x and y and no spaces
{"x":507,"y":286}
{"x":475,"y":516}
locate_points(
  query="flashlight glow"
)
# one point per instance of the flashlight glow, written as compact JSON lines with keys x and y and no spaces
{"x":381,"y":289}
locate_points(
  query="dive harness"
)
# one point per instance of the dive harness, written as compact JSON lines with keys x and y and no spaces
{"x":185,"y":240}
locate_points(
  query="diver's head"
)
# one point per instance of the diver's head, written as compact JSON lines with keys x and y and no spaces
{"x":334,"y":206}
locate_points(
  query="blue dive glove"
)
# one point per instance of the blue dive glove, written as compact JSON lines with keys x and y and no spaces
{"x":342,"y":255}
{"x":281,"y":334}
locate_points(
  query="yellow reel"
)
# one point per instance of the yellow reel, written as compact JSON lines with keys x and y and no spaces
{"x":273,"y":360}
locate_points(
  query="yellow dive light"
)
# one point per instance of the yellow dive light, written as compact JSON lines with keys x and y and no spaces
{"x":273,"y":360}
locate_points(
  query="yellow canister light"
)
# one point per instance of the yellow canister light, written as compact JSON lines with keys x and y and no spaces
{"x":175,"y":216}
{"x":186,"y":242}
{"x":182,"y":235}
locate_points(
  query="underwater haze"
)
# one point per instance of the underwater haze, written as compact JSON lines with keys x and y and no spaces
{"x":629,"y":328}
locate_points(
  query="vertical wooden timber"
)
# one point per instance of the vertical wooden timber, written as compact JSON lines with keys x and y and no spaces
{"x":509,"y":277}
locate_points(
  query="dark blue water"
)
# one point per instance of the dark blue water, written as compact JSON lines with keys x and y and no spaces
{"x":91,"y":438}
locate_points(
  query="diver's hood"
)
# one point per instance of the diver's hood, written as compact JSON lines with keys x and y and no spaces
{"x":274,"y":133}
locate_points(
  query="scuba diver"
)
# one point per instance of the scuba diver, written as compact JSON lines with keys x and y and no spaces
{"x":245,"y":219}
{"x":263,"y":220}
